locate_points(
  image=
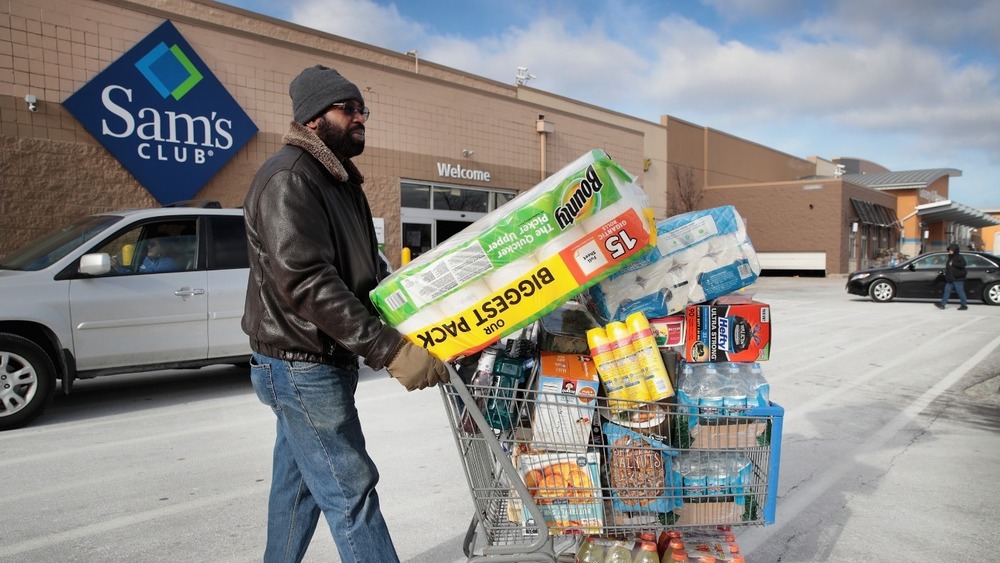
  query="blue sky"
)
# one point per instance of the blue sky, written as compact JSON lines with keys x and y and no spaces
{"x":908,"y":84}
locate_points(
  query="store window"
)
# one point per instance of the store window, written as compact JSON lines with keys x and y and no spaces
{"x":415,"y":195}
{"x":461,"y":199}
{"x":431,"y":213}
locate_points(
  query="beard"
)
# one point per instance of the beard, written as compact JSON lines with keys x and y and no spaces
{"x":342,"y":143}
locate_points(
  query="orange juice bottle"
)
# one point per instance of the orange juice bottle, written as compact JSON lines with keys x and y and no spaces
{"x":675,"y":545}
{"x":648,"y":355}
{"x":647,"y":553}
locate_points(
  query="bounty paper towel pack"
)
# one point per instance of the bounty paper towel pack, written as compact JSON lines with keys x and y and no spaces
{"x":699,"y":256}
{"x":521,"y":261}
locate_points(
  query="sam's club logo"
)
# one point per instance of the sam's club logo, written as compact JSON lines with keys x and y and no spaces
{"x":163,"y":115}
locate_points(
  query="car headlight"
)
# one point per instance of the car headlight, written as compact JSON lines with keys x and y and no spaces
{"x":861,"y":276}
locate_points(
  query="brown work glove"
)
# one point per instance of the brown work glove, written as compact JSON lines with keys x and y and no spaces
{"x":415,"y":368}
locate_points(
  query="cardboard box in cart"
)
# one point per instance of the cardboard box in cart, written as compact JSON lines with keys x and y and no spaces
{"x":567,"y":385}
{"x":733,"y":328}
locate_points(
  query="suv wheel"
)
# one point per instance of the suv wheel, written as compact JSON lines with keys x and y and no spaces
{"x":27,"y":381}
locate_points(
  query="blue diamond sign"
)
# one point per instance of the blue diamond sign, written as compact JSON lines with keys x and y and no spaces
{"x":161,"y":112}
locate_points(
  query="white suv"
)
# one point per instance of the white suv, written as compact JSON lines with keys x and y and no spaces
{"x":117,"y":293}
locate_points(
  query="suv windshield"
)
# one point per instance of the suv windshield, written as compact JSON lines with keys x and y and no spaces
{"x":52,"y":247}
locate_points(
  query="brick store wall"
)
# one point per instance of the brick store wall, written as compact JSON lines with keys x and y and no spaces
{"x":51,"y":48}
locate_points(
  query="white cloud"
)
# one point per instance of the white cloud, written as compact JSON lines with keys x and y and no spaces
{"x":844,"y":76}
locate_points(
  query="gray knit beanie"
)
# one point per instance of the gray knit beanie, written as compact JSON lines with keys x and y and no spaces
{"x":316,"y":89}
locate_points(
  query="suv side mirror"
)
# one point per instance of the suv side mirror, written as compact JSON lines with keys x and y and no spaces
{"x":95,"y":264}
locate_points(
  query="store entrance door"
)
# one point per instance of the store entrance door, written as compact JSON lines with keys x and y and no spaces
{"x":423,"y":229}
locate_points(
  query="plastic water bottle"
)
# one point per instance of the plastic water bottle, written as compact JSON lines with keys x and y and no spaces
{"x":618,"y":553}
{"x":590,"y":552}
{"x":647,"y":553}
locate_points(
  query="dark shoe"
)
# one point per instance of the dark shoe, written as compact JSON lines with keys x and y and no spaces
{"x":939,"y":306}
{"x":963,"y":308}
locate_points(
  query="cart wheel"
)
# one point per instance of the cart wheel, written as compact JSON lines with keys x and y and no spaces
{"x":470,"y":537}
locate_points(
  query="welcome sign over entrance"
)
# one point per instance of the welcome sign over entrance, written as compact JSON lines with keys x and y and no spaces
{"x":162,"y":113}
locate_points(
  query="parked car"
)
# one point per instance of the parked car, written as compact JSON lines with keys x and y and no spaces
{"x":86,"y":301}
{"x":923,"y":278}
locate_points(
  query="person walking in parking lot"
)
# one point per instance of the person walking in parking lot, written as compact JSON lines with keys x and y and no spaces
{"x":313,"y":260}
{"x":954,"y":278}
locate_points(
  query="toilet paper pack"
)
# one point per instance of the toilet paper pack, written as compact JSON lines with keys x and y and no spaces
{"x":520,"y":261}
{"x":699,"y":256}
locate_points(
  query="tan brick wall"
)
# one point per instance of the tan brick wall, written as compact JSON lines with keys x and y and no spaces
{"x":55,"y":171}
{"x":804,"y":216}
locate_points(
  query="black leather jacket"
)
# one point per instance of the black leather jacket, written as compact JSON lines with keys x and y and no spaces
{"x":313,"y":260}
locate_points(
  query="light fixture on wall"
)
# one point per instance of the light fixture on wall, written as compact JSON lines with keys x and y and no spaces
{"x":468,"y":152}
{"x":647,"y":163}
{"x":523,"y":76}
{"x":32,"y":102}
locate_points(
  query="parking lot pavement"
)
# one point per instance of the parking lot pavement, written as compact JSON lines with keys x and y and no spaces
{"x":891,"y":440}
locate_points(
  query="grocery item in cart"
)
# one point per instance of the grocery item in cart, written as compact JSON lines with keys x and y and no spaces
{"x":567,"y":396}
{"x":564,"y":330}
{"x":567,"y":489}
{"x":733,"y":328}
{"x":715,"y":487}
{"x":717,"y":399}
{"x":640,"y":474}
{"x":521,"y":261}
{"x":622,"y":387}
{"x":699,"y":256}
{"x":645,"y":348}
{"x":668,"y":331}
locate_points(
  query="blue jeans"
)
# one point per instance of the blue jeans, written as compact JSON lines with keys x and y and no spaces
{"x":959,"y":286}
{"x":320,"y":463}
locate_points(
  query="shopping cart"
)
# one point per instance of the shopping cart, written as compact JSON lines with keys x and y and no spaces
{"x":546,"y":468}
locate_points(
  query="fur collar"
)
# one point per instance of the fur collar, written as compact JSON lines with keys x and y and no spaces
{"x":303,"y":137}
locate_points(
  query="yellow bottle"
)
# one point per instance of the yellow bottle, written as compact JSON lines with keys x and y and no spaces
{"x":629,"y":368}
{"x":604,"y":359}
{"x":607,"y":368}
{"x":648,"y":356}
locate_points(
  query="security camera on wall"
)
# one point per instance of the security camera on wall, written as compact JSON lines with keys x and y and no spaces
{"x":32,"y":102}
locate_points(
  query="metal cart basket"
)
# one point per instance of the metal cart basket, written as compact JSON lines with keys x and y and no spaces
{"x":546,"y":467}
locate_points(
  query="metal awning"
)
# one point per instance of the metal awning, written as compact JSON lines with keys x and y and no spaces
{"x":905,"y":180}
{"x":874,"y":214}
{"x":955,"y":212}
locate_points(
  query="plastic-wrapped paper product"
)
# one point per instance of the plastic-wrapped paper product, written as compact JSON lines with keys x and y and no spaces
{"x":699,"y":256}
{"x":521,"y":261}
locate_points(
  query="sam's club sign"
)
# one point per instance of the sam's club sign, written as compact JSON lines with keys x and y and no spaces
{"x":163,"y":115}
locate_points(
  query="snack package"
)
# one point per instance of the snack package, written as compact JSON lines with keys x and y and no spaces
{"x":699,"y":256}
{"x":565,"y":487}
{"x":521,"y":261}
{"x":640,"y":473}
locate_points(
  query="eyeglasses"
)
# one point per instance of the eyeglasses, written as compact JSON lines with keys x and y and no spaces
{"x":352,"y":108}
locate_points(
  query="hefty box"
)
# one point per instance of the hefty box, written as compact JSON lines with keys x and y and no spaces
{"x":567,"y":395}
{"x":730,"y":329}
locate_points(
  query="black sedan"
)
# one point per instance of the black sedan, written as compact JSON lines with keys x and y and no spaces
{"x":923,"y":278}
